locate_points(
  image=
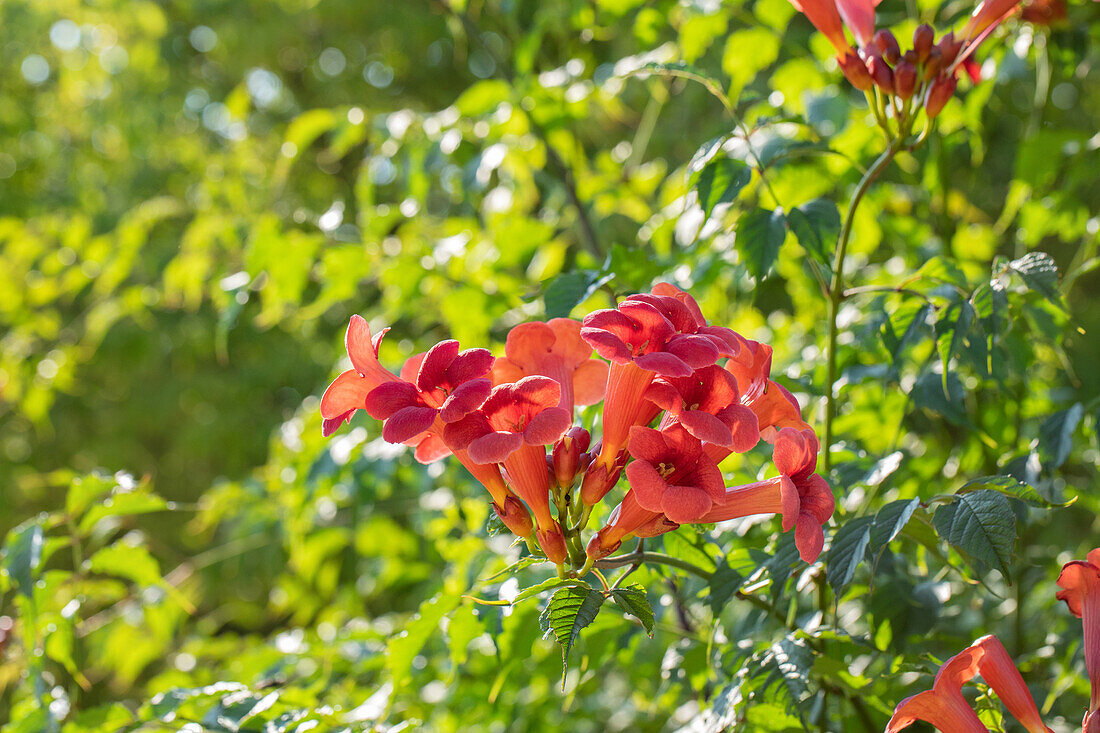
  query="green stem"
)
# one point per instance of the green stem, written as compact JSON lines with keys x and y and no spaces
{"x":836,"y":290}
{"x":658,"y":558}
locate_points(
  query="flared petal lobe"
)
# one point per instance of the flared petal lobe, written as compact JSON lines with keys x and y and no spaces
{"x":1080,"y":583}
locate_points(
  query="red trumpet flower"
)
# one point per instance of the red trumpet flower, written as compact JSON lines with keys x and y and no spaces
{"x":448,"y":384}
{"x":627,"y":519}
{"x":708,"y":406}
{"x":775,"y":408}
{"x":553,"y":349}
{"x":800,"y":495}
{"x":348,"y":392}
{"x":944,"y":705}
{"x":1080,"y":583}
{"x":670,"y":474}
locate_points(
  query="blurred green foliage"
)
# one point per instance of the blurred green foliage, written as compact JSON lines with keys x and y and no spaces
{"x":197,"y":195}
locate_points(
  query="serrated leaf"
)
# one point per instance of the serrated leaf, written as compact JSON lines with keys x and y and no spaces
{"x":632,"y":600}
{"x":961,"y":318}
{"x":890,"y":521}
{"x":789,"y":661}
{"x":760,"y":234}
{"x":545,"y":585}
{"x":816,"y":225}
{"x":569,"y":611}
{"x":846,"y":553}
{"x":982,"y":526}
{"x":1012,"y":487}
{"x":22,"y":556}
{"x":918,"y":323}
{"x":1040,"y":274}
{"x":719,"y":182}
{"x":1056,"y":436}
{"x":780,"y":565}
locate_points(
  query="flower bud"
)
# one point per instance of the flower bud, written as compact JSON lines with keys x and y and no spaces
{"x":552,"y":542}
{"x":887,"y":44}
{"x":939,"y":94}
{"x":856,"y":72}
{"x":933,"y":64}
{"x":880,"y":72}
{"x":923,"y":38}
{"x":905,"y":79}
{"x":598,"y":548}
{"x":949,"y":47}
{"x":566,"y":455}
{"x":515,"y":516}
{"x":598,"y":480}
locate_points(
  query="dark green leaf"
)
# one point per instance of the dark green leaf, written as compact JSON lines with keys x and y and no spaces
{"x":816,"y":224}
{"x":847,"y":552}
{"x":1012,"y":487}
{"x":889,"y":522}
{"x":760,"y":234}
{"x":956,"y":322}
{"x":720,"y":181}
{"x":723,"y":584}
{"x":569,"y":290}
{"x":928,"y":392}
{"x":632,"y":600}
{"x":982,"y":526}
{"x":1040,"y":274}
{"x":1056,"y":436}
{"x":569,"y":611}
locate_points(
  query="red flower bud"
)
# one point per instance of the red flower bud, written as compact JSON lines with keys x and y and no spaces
{"x":887,"y":44}
{"x":567,"y":455}
{"x":905,"y":79}
{"x":950,"y":48}
{"x":939,"y":94}
{"x":515,"y":516}
{"x":923,"y":38}
{"x":933,"y":64}
{"x":598,"y":480}
{"x":552,"y":542}
{"x":855,"y":71}
{"x":881,"y":74}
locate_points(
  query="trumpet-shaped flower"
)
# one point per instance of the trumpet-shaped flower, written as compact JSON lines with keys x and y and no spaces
{"x":944,"y":705}
{"x":800,"y":495}
{"x":553,"y":349}
{"x":627,"y":519}
{"x":670,"y":473}
{"x":512,"y":428}
{"x":348,"y":392}
{"x":708,"y":406}
{"x":775,"y":408}
{"x":449,"y":384}
{"x":1080,"y":583}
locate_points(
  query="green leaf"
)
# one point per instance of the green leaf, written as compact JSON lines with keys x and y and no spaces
{"x":1056,"y":436}
{"x":632,"y":600}
{"x":760,"y":234}
{"x":1012,"y":487}
{"x":568,"y":290}
{"x":22,"y":556}
{"x":782,"y":561}
{"x":545,"y":585}
{"x":723,"y":584}
{"x":569,"y":611}
{"x":982,"y":526}
{"x":846,"y":553}
{"x":816,"y":225}
{"x":84,"y":490}
{"x":720,"y":181}
{"x":1040,"y":274}
{"x":959,"y":330}
{"x":126,"y":561}
{"x":123,"y":505}
{"x":680,"y":544}
{"x":890,"y":521}
{"x":407,"y":644}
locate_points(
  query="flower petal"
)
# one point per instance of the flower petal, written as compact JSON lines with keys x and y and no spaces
{"x":331,"y":425}
{"x":466,"y":398}
{"x":664,"y":364}
{"x":431,"y":449}
{"x":788,"y":497}
{"x":706,"y":427}
{"x":646,"y":484}
{"x":695,"y":351}
{"x":528,"y":344}
{"x":361,"y":348}
{"x":347,"y":392}
{"x":536,"y":393}
{"x":407,"y":423}
{"x":547,"y":426}
{"x":647,"y":444}
{"x":458,"y":435}
{"x":469,"y":364}
{"x":685,"y":504}
{"x":494,"y":447}
{"x":386,"y":399}
{"x":506,"y":371}
{"x":999,"y":671}
{"x":568,"y":343}
{"x":795,"y":452}
{"x":435,"y":363}
{"x":590,"y":382}
{"x":859,"y":15}
{"x":742,"y":424}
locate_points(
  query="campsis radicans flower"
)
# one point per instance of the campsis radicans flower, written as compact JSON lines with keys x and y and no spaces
{"x":708,"y":406}
{"x":944,"y":705}
{"x":348,"y":392}
{"x":1080,"y":584}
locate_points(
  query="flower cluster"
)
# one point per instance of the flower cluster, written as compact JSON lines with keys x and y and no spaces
{"x":679,"y":396}
{"x":944,"y":705}
{"x":922,"y":76}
